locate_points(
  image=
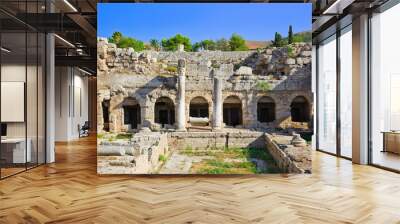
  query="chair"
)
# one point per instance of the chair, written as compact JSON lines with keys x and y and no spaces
{"x":84,"y":130}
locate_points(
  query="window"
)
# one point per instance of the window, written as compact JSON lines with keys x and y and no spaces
{"x":385,"y":89}
{"x":327,"y":95}
{"x":346,"y":92}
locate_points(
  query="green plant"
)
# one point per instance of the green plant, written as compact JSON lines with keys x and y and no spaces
{"x":213,"y":171}
{"x":237,"y":43}
{"x":222,"y":45}
{"x":290,"y":51}
{"x":189,"y":148}
{"x":172,"y":69}
{"x":111,"y":139}
{"x":162,"y":158}
{"x":290,"y":35}
{"x":155,"y":44}
{"x":172,"y":43}
{"x":278,"y":40}
{"x":100,"y":135}
{"x":263,"y":86}
{"x":124,"y":136}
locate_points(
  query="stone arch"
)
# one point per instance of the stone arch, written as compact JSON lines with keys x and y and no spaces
{"x":300,"y":109}
{"x":232,"y":111}
{"x":164,"y":111}
{"x":131,"y":112}
{"x":266,"y":109}
{"x":199,"y":107}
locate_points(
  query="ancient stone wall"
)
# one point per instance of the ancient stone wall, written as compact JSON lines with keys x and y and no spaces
{"x":215,"y":140}
{"x":289,"y":159}
{"x":279,"y":73}
{"x":139,"y":155}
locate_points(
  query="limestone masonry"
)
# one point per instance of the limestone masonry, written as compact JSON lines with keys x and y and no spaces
{"x":153,"y":104}
{"x":265,"y":89}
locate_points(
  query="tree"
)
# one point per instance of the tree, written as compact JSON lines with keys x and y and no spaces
{"x":278,"y":41}
{"x":208,"y":45}
{"x":172,"y":43}
{"x":196,"y":46}
{"x":222,"y":45}
{"x":126,"y":42}
{"x":115,"y":38}
{"x":237,"y":43}
{"x":155,"y":44}
{"x":290,"y":35}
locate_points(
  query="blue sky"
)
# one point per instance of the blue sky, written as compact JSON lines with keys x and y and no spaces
{"x":254,"y":21}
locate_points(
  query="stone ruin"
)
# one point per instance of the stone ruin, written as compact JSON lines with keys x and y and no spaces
{"x":257,"y":90}
{"x":152,"y":92}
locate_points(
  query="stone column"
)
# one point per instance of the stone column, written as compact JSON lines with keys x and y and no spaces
{"x":100,"y":119}
{"x":217,"y":103}
{"x":181,"y":115}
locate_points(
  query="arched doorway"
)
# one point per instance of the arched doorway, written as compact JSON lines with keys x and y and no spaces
{"x":265,"y":109}
{"x":198,"y":108}
{"x":105,"y":106}
{"x":300,"y":109}
{"x":164,"y":111}
{"x":232,"y":111}
{"x":131,"y":113}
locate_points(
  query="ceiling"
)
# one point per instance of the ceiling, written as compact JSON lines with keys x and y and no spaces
{"x":74,"y":22}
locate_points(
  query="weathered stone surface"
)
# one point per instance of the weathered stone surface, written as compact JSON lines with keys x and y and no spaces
{"x":149,"y":75}
{"x":139,"y":155}
{"x":290,"y":61}
{"x":306,"y":53}
{"x":289,"y":158}
{"x":244,"y":70}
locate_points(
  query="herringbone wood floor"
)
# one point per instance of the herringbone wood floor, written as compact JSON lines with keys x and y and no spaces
{"x":70,"y":191}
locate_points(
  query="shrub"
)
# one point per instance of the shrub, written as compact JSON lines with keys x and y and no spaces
{"x":263,"y":85}
{"x":237,"y":43}
{"x":290,"y":51}
{"x":162,"y":158}
{"x":172,"y":69}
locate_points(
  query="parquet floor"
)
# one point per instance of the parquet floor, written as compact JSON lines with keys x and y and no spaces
{"x":70,"y":191}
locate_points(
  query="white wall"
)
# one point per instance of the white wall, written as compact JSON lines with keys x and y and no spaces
{"x":71,"y":103}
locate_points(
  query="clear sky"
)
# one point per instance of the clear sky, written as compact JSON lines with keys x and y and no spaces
{"x":199,"y":21}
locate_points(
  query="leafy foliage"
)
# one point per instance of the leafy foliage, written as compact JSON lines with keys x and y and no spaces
{"x":196,"y":46}
{"x":124,"y":42}
{"x":263,"y":86}
{"x":278,"y":40}
{"x":208,"y":45}
{"x":116,"y":37}
{"x":155,"y":44}
{"x":302,"y":37}
{"x":232,"y":161}
{"x":172,"y":43}
{"x":172,"y":69}
{"x":222,"y":44}
{"x":162,"y":158}
{"x":237,"y":43}
{"x":290,"y":51}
